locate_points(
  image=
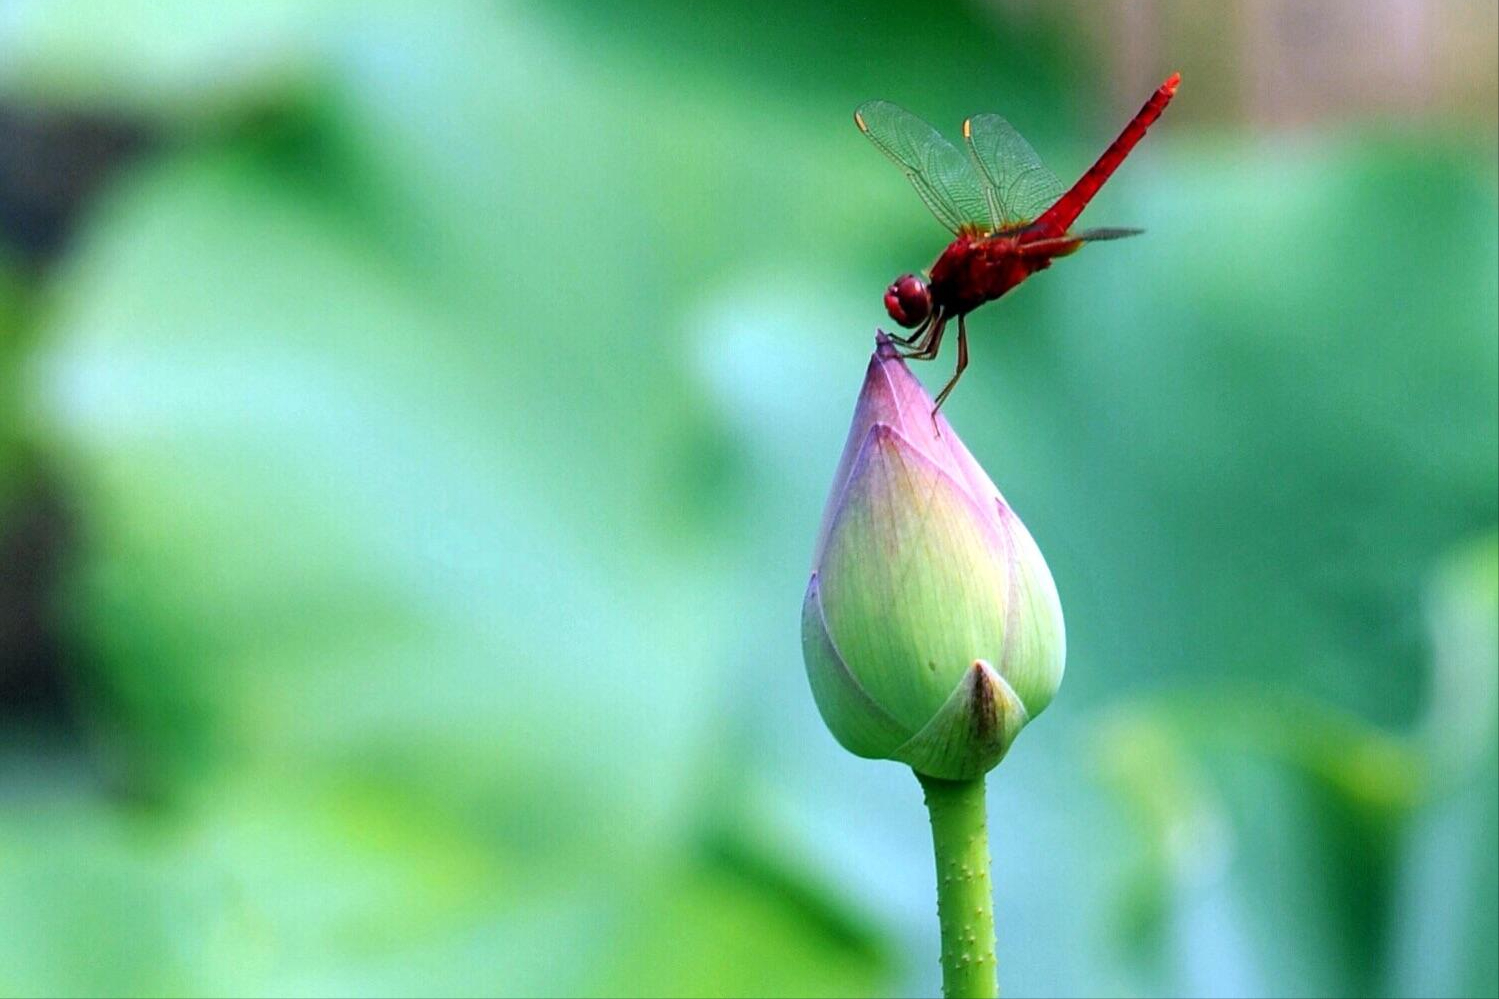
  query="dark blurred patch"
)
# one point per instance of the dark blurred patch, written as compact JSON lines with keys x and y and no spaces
{"x":51,"y":165}
{"x":36,"y":665}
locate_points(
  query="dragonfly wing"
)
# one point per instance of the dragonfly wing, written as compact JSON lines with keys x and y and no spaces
{"x":1021,"y":185}
{"x":1099,"y":235}
{"x":1069,"y":242}
{"x":940,"y":173}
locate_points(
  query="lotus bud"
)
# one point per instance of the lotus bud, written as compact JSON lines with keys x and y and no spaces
{"x":931,"y":628}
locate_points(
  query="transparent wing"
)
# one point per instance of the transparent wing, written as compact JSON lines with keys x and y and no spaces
{"x":1021,"y":185}
{"x":1098,"y":235}
{"x":940,"y":173}
{"x":1060,"y":246}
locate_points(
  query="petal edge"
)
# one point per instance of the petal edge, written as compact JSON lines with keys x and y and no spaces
{"x":858,"y":723}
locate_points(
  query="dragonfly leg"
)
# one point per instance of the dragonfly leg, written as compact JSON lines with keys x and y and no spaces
{"x":962,"y":363}
{"x":927,"y":348}
{"x":907,"y":341}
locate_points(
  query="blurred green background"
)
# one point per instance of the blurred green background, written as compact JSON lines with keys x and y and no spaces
{"x":414,"y":422}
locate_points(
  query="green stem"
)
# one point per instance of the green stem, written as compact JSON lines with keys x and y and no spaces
{"x":965,"y":900}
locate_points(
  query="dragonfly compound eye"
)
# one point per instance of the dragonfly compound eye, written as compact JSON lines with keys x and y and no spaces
{"x":908,"y":300}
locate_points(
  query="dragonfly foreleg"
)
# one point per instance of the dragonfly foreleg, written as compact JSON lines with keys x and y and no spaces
{"x":917,"y":333}
{"x":926,"y":349}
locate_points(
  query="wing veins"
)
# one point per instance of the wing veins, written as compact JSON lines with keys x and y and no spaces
{"x":1023,"y":187}
{"x":942,"y":176}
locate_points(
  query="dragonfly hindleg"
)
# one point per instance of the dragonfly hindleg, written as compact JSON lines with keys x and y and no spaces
{"x":962,"y":363}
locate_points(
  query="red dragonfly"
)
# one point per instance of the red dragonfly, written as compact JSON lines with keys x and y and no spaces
{"x":1009,"y":213}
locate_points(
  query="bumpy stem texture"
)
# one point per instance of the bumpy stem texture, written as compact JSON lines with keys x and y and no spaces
{"x":965,"y":900}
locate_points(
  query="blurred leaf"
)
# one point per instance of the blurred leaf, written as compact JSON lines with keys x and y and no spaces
{"x":166,"y":59}
{"x":448,"y":426}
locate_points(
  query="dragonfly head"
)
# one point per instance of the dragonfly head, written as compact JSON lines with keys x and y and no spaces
{"x":909,"y":301}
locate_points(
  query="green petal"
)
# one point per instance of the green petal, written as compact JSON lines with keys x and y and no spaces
{"x":970,"y":734}
{"x":915,"y":582}
{"x":859,"y":724}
